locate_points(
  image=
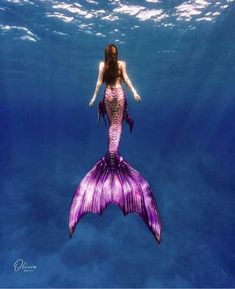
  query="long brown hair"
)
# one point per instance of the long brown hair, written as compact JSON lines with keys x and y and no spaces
{"x":111,"y":63}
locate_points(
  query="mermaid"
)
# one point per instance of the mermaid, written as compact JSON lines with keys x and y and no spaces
{"x":112,"y":179}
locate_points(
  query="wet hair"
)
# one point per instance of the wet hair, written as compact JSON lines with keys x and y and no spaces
{"x":111,"y":63}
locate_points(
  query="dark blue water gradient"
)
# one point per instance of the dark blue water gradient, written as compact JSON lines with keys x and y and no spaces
{"x":183,"y":144}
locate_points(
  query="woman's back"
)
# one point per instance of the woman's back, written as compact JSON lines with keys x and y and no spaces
{"x":118,"y":80}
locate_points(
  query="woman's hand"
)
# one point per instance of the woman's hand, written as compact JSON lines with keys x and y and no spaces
{"x":91,"y":102}
{"x":137,"y":97}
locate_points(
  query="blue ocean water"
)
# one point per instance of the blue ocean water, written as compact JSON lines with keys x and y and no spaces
{"x":180,"y":59}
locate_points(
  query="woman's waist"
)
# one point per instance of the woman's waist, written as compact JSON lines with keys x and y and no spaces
{"x":108,"y":87}
{"x":115,"y":92}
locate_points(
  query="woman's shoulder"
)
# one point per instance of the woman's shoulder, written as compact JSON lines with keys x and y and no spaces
{"x":101,"y":63}
{"x":121,"y":63}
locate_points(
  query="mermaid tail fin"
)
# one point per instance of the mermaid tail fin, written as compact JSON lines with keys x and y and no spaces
{"x":114,"y":180}
{"x":101,"y":111}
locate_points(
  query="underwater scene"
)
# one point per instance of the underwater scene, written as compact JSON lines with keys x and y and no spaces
{"x":180,"y":58}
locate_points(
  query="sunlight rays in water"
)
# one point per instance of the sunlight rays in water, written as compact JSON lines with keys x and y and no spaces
{"x":97,"y":19}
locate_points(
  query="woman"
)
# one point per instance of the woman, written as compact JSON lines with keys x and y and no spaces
{"x":112,"y":179}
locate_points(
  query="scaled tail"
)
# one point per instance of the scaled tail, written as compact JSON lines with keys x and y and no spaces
{"x":114,"y":180}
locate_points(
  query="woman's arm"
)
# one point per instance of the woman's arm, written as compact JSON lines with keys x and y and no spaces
{"x":99,"y":82}
{"x":128,"y":82}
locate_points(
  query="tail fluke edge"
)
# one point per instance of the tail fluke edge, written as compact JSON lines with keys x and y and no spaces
{"x":112,"y":180}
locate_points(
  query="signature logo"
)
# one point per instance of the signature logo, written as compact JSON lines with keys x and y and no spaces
{"x":20,"y":264}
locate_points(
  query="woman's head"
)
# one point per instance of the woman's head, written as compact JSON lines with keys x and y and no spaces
{"x":111,"y":63}
{"x":110,"y":53}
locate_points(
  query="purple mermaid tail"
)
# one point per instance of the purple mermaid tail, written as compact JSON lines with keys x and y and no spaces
{"x":112,"y":179}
